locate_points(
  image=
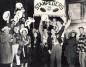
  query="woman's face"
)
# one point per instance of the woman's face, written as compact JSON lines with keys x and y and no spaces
{"x":73,"y":34}
{"x":35,"y":34}
{"x":16,"y":29}
{"x":24,"y":32}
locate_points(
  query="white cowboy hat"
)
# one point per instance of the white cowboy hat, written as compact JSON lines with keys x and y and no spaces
{"x":29,"y":21}
{"x":44,"y":18}
{"x":19,"y":5}
{"x":23,"y":29}
{"x":6,"y":28}
{"x":6,"y":15}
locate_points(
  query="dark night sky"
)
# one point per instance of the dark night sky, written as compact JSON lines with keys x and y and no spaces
{"x":10,"y":5}
{"x":4,"y":5}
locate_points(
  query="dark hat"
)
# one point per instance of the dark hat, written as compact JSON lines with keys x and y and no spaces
{"x":23,"y":29}
{"x":81,"y":27}
{"x":57,"y":19}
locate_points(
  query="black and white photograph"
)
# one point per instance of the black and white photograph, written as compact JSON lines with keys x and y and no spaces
{"x":42,"y":33}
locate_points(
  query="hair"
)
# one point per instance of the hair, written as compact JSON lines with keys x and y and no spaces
{"x":70,"y":34}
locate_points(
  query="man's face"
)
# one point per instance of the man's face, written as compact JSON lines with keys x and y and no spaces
{"x":54,"y":22}
{"x":81,"y":30}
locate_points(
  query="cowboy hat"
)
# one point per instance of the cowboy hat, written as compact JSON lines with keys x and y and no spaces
{"x":19,"y":5}
{"x":29,"y":21}
{"x":6,"y":28}
{"x":23,"y":29}
{"x":6,"y":15}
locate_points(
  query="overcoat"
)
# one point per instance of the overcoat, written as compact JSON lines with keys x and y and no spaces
{"x":5,"y":48}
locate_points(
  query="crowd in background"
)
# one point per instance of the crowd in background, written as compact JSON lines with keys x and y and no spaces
{"x":27,"y":46}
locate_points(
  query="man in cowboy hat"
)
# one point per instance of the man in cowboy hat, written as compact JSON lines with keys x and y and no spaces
{"x":25,"y":43}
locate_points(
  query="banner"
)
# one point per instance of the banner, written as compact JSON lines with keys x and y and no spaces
{"x":55,"y":8}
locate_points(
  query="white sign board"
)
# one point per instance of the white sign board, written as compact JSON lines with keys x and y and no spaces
{"x":55,"y":8}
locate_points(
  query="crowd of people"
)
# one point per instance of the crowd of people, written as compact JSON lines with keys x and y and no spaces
{"x":39,"y":47}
